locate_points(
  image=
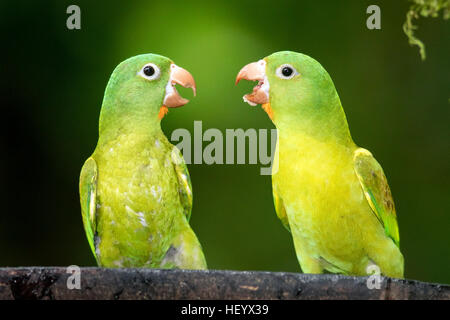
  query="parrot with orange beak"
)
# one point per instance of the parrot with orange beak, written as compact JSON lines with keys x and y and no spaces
{"x":329,"y":193}
{"x":135,"y":190}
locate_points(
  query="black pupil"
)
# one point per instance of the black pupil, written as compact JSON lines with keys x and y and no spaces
{"x":286,"y":71}
{"x":149,"y":71}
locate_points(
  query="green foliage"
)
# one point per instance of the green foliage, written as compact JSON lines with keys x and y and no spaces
{"x":424,"y":8}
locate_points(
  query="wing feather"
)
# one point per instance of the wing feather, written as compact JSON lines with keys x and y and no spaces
{"x":88,"y":200}
{"x":184,"y":182}
{"x":377,"y":192}
{"x":280,"y":210}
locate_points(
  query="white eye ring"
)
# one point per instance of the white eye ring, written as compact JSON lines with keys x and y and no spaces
{"x":279,"y":72}
{"x":146,"y":72}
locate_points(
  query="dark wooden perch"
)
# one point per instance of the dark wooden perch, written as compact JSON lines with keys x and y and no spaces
{"x":98,"y":283}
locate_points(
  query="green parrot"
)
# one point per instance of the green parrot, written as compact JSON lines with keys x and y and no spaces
{"x":135,"y":189}
{"x":329,"y":193}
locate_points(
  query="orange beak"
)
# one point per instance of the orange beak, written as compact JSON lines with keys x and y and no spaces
{"x":255,"y":71}
{"x":183,"y":78}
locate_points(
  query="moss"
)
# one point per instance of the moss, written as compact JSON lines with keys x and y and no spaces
{"x":423,"y":8}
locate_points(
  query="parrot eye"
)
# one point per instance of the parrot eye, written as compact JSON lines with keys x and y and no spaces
{"x":150,"y":72}
{"x":286,"y":71}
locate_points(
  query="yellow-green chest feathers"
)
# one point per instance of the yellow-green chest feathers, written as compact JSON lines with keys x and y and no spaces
{"x":336,"y":201}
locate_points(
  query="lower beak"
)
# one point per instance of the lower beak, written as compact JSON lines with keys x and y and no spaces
{"x":183,"y":78}
{"x":255,"y":71}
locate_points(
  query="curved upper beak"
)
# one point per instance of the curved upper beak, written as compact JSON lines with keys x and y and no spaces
{"x":255,"y":71}
{"x":182,"y":77}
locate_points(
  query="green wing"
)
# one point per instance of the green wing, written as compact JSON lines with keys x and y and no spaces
{"x":377,"y":192}
{"x":88,"y":194}
{"x":184,"y":182}
{"x":280,"y":210}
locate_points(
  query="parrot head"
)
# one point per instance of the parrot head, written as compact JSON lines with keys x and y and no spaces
{"x":142,"y":88}
{"x":295,"y":91}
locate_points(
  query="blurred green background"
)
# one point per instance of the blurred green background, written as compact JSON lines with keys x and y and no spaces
{"x":52,"y":84}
